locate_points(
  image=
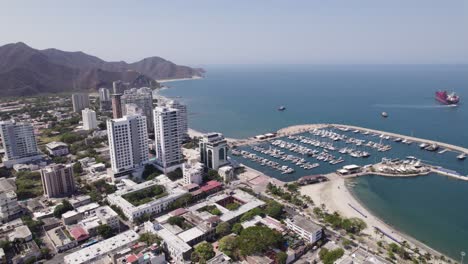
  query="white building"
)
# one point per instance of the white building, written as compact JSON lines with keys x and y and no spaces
{"x":57,"y":148}
{"x":80,"y":101}
{"x":143,"y":99}
{"x":89,"y":119}
{"x":94,"y":253}
{"x":213,"y":150}
{"x":9,"y":207}
{"x":104,"y":99}
{"x":167,"y":132}
{"x":19,"y":143}
{"x":193,"y":172}
{"x":128,"y":144}
{"x":183,"y":117}
{"x":173,"y":192}
{"x":305,"y":228}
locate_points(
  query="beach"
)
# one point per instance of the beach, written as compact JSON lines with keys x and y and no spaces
{"x":179,"y":79}
{"x":336,"y":197}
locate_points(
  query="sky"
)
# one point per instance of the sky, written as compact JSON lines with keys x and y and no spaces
{"x":201,"y":32}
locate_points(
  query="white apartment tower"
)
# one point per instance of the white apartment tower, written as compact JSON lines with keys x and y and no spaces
{"x":128,"y":143}
{"x":183,"y":118}
{"x":80,"y":101}
{"x":213,"y":150}
{"x":19,"y":142}
{"x":167,"y":132}
{"x":89,"y":119}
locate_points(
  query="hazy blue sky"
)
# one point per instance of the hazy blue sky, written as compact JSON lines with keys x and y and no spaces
{"x":223,"y":32}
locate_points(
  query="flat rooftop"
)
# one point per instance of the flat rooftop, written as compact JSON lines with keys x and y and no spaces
{"x":305,"y":224}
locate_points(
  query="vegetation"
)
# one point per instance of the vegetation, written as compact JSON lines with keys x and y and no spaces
{"x":77,"y":169}
{"x":105,"y":231}
{"x":223,"y":229}
{"x":212,"y":209}
{"x":192,"y":144}
{"x":232,"y":206}
{"x":281,"y":257}
{"x":212,"y":175}
{"x":71,"y":137}
{"x":204,"y":251}
{"x":182,"y":201}
{"x":179,"y":221}
{"x":149,"y":238}
{"x":33,"y":225}
{"x":98,"y":188}
{"x":144,"y":218}
{"x":274,"y":209}
{"x":150,"y":172}
{"x":228,"y":245}
{"x":29,"y":185}
{"x":62,"y":208}
{"x":290,"y":196}
{"x":250,"y":214}
{"x":146,"y":195}
{"x":257,"y":239}
{"x":329,"y":257}
{"x":237,"y":228}
{"x":352,"y":225}
{"x":119,"y":211}
{"x":176,"y":174}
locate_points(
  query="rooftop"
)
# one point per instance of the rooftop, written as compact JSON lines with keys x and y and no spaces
{"x":102,"y":248}
{"x":55,"y":144}
{"x":305,"y":224}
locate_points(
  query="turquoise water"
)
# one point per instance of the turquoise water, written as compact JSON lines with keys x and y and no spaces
{"x":241,"y":101}
{"x":431,"y":208}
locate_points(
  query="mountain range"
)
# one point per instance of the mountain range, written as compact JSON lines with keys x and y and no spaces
{"x":28,"y":71}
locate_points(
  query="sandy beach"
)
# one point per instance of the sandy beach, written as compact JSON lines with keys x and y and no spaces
{"x":336,"y":197}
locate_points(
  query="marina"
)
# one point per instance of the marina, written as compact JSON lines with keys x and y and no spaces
{"x":318,"y":148}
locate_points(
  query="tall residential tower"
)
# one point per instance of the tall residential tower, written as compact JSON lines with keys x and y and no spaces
{"x":167,"y":132}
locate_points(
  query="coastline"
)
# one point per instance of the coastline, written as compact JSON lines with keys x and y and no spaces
{"x":336,"y":196}
{"x":179,"y":79}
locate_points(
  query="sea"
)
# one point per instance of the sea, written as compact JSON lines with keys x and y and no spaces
{"x":242,"y":101}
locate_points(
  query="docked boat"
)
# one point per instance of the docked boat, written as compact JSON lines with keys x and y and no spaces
{"x":462,"y":156}
{"x":384,"y":114}
{"x":423,"y":145}
{"x":447,"y":98}
{"x":282,"y":108}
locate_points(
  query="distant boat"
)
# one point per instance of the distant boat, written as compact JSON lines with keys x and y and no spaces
{"x":446,"y":98}
{"x":282,"y":108}
{"x":384,"y":114}
{"x":461,"y":156}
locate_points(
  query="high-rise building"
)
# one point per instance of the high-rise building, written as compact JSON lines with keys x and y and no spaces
{"x":116,"y":106}
{"x":80,"y":101}
{"x":133,"y":109}
{"x":167,"y":138}
{"x":104,"y":99}
{"x":19,"y":142}
{"x":128,"y":143}
{"x":183,"y":118}
{"x":143,"y":98}
{"x":213,"y":150}
{"x":118,"y":87}
{"x":89,"y":119}
{"x":57,"y":180}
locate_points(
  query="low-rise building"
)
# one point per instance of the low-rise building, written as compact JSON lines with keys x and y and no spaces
{"x":21,"y":234}
{"x":171,"y":189}
{"x":57,"y":148}
{"x":305,"y":228}
{"x":80,"y":200}
{"x":193,"y":173}
{"x":94,"y":253}
{"x":61,"y":239}
{"x":9,"y":207}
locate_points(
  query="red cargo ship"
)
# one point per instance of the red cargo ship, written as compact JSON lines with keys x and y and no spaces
{"x":446,"y":98}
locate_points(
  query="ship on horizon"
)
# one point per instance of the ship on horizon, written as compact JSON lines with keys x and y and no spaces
{"x":447,"y":98}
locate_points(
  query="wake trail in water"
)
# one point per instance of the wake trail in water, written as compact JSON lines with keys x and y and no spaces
{"x":409,"y":106}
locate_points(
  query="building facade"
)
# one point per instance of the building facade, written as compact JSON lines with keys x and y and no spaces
{"x":143,"y":99}
{"x":128,"y":143}
{"x":193,"y":172}
{"x":183,"y":117}
{"x":9,"y":207}
{"x":305,"y":228}
{"x":57,"y":148}
{"x":167,"y":132}
{"x":104,"y":99}
{"x":19,"y":143}
{"x":213,"y":150}
{"x":57,"y":180}
{"x":89,"y":119}
{"x":116,"y":106}
{"x":80,"y":101}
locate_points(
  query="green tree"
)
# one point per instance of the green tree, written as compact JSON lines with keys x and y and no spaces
{"x":105,"y":231}
{"x":205,"y":250}
{"x":237,"y":228}
{"x":62,"y":208}
{"x":77,"y":169}
{"x":329,"y":257}
{"x":258,"y":239}
{"x":274,"y":209}
{"x":175,"y":175}
{"x":281,"y":257}
{"x":150,"y":170}
{"x":228,"y":245}
{"x":223,"y":229}
{"x":149,"y":238}
{"x":176,"y":220}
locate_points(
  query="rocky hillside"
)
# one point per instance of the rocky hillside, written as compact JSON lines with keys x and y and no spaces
{"x":27,"y":71}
